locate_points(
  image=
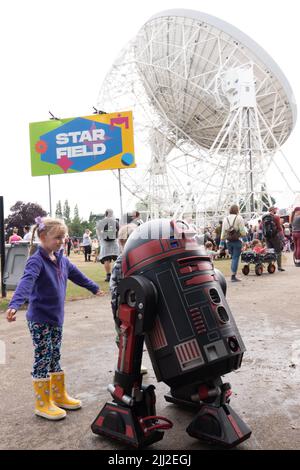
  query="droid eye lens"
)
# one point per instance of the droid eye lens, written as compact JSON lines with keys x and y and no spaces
{"x":222,"y":314}
{"x":131,"y":299}
{"x":233,"y":344}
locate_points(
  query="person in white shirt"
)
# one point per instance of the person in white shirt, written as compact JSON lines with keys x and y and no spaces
{"x":233,"y":230}
{"x":87,"y":245}
{"x":27,"y":234}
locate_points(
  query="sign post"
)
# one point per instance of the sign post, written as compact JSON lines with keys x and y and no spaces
{"x":50,"y":201}
{"x":120,"y":193}
{"x":2,"y":247}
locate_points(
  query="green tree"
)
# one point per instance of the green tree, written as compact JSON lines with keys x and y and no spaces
{"x":76,"y":212}
{"x":143,"y":205}
{"x":22,"y":214}
{"x":58,"y":211}
{"x":75,"y":226}
{"x":66,"y":212}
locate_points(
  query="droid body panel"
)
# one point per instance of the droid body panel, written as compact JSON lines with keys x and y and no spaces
{"x":178,"y":304}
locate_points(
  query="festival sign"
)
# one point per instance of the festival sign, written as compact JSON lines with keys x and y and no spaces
{"x":90,"y":143}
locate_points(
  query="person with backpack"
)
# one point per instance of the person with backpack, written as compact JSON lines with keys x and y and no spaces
{"x":273,"y":234}
{"x":295,"y":221}
{"x":233,"y":230}
{"x":107,"y":232}
{"x":218,"y":231}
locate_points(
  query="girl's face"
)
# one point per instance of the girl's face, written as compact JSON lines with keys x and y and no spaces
{"x":53,"y":240}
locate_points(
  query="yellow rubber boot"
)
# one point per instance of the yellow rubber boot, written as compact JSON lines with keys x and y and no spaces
{"x":59,"y":394}
{"x":43,"y":405}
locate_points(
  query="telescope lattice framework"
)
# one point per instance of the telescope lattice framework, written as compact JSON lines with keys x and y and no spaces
{"x":211,"y":112}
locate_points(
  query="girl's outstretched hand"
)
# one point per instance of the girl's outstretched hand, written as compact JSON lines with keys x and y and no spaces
{"x":100,"y":293}
{"x":11,"y":314}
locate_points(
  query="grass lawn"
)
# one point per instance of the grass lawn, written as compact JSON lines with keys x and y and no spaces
{"x":96,"y":272}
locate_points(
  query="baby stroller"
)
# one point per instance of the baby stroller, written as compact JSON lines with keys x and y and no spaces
{"x":259,"y":260}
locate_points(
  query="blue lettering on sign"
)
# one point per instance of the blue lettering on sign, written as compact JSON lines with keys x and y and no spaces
{"x":82,"y":143}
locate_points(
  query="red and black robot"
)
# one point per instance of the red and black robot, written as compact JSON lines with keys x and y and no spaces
{"x":172,"y":298}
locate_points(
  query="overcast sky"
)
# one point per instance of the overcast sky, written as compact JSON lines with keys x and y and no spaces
{"x":55,"y":55}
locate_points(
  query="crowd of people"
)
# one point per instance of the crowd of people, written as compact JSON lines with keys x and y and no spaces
{"x":102,"y":246}
{"x":268,"y":232}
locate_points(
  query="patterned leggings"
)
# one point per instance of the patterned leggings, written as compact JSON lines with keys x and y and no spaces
{"x":46,"y":340}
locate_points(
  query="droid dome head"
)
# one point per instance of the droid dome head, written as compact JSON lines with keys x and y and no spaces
{"x":156,"y":240}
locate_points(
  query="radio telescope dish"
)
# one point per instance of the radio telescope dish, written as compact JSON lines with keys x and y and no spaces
{"x":211,"y":110}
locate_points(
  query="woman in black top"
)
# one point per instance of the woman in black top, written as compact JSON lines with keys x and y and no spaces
{"x":295,"y":221}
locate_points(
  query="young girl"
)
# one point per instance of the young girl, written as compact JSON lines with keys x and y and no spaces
{"x":44,"y":283}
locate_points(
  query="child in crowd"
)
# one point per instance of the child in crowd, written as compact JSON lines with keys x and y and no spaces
{"x":14,"y":238}
{"x":257,"y":246}
{"x":95,"y":249}
{"x":116,"y":277}
{"x":44,"y":283}
{"x":209,"y":249}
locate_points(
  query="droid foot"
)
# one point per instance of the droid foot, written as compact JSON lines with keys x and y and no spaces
{"x":122,"y":423}
{"x":219,"y":425}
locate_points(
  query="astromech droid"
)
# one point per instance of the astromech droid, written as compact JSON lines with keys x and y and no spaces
{"x":172,"y":298}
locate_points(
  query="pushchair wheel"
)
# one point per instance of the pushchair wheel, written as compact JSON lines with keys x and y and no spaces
{"x":246,"y":270}
{"x":271,"y":268}
{"x":295,"y":262}
{"x":258,"y":269}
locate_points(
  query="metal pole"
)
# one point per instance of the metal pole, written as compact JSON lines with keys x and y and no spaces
{"x":2,"y":247}
{"x":120,"y":192}
{"x":50,"y":202}
{"x":252,"y":203}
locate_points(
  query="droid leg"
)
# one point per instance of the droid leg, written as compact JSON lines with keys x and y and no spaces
{"x":216,"y":422}
{"x":131,"y":416}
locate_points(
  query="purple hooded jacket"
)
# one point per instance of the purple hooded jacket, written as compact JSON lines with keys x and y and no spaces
{"x":44,"y":283}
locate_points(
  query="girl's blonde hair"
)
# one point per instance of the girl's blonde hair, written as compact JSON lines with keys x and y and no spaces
{"x":209,"y":245}
{"x":46,"y":225}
